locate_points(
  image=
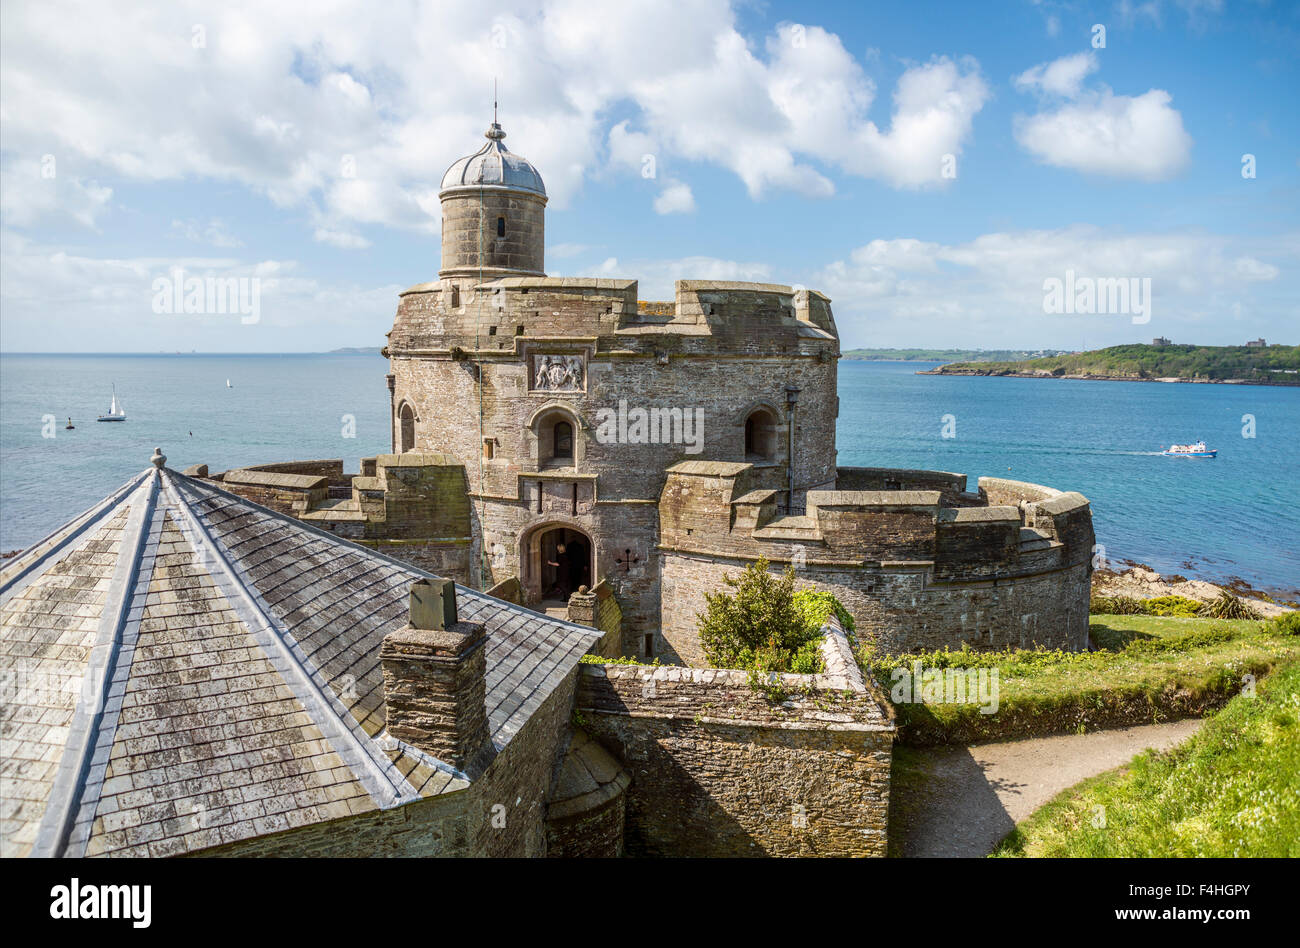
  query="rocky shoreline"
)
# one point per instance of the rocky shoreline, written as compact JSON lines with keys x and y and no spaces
{"x":1084,"y":376}
{"x":1142,"y":582}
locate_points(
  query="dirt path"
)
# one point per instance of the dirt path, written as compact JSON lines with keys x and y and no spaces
{"x":959,"y":801}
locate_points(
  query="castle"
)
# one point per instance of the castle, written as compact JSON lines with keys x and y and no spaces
{"x":564,"y":444}
{"x":274,"y":660}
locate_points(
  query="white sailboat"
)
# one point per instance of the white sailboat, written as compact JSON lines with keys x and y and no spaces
{"x":115,"y":411}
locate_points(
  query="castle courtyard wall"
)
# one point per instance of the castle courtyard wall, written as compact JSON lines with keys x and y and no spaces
{"x":720,"y":768}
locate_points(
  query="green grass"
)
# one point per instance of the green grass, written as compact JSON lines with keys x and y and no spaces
{"x":1233,"y":789}
{"x":1147,"y":669}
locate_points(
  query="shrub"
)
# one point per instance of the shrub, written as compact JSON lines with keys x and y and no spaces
{"x":1177,"y":606}
{"x":759,"y":627}
{"x":816,"y":607}
{"x":1286,"y":624}
{"x":1117,"y":606}
{"x":1228,"y":606}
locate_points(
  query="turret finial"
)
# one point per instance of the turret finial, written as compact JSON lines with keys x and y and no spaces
{"x":158,"y":459}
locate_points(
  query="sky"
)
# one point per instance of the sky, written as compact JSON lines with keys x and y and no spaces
{"x":931,"y":167}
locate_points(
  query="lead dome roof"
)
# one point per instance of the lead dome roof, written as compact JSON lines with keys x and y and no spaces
{"x":494,"y":165}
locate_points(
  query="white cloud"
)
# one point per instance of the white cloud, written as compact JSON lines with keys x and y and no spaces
{"x":213,"y":232}
{"x":675,"y":198}
{"x":1097,"y":131}
{"x":72,"y":302}
{"x":342,"y":239}
{"x":34,"y":192}
{"x":989,"y":291}
{"x":285,"y":105}
{"x":1062,"y":76}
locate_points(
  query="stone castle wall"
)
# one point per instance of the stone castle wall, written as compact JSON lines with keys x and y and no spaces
{"x":913,"y":573}
{"x":470,"y":361}
{"x":720,"y":768}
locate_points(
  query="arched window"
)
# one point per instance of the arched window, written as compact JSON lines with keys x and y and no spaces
{"x":760,"y":436}
{"x":501,"y":226}
{"x":563,"y":435}
{"x":407,"y":416}
{"x":455,"y":297}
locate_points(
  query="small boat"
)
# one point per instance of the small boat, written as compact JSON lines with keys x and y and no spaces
{"x":115,"y":411}
{"x":1197,"y":450}
{"x":228,"y":385}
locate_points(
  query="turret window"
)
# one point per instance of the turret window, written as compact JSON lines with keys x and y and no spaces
{"x":501,"y":226}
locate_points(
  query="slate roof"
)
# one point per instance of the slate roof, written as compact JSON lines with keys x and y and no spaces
{"x":182,"y":668}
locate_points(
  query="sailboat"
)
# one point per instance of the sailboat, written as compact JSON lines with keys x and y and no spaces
{"x":115,"y":411}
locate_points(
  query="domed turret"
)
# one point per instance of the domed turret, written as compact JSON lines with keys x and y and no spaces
{"x":493,"y":166}
{"x":493,"y":214}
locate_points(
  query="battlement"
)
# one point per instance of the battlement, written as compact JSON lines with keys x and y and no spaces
{"x":926,"y":517}
{"x":919,"y":561}
{"x":500,"y":315}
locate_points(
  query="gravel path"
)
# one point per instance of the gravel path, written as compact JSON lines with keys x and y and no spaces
{"x":960,"y":801}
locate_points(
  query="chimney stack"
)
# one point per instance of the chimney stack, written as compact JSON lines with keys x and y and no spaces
{"x":434,"y":678}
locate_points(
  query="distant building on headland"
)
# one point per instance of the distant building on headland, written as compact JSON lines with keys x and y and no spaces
{"x":1256,"y":343}
{"x":1161,"y":341}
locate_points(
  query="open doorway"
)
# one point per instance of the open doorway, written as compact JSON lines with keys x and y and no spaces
{"x":557,"y":561}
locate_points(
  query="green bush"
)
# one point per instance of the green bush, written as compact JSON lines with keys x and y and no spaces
{"x":759,"y":626}
{"x":1177,"y":606}
{"x":1228,"y":606}
{"x":816,"y":607}
{"x":1117,"y":606}
{"x":1287,"y":624}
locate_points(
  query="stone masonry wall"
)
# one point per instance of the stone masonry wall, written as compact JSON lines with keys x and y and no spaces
{"x":721,"y":769}
{"x":912,"y":573}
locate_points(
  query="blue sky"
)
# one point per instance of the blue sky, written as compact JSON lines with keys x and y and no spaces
{"x":792,"y":143}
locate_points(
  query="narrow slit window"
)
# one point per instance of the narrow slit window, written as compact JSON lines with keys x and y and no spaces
{"x":501,"y":226}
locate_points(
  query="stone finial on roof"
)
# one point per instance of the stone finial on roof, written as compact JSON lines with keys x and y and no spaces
{"x":158,"y":459}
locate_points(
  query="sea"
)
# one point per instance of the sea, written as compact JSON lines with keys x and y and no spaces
{"x":1233,"y":517}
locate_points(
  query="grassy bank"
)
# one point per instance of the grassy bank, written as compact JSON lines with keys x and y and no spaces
{"x":1146,"y":669}
{"x":1233,"y":789}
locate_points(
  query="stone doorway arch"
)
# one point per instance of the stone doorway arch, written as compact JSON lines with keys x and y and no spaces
{"x":555,"y":559}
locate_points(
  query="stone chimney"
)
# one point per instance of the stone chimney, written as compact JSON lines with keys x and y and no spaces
{"x":434,"y":671}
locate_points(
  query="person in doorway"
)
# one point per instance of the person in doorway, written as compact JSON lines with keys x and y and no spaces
{"x":563,"y":573}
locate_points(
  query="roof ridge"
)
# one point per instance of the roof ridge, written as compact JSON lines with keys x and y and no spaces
{"x":75,"y":763}
{"x":383,"y":781}
{"x":75,"y":528}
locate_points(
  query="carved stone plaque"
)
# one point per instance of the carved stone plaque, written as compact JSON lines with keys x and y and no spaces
{"x":557,"y":373}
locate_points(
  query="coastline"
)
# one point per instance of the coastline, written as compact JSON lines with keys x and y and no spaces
{"x":1044,"y":374}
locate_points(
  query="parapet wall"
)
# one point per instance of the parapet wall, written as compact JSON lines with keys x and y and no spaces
{"x":414,"y":507}
{"x":722,"y":768}
{"x":913,"y":572}
{"x":707,"y":316}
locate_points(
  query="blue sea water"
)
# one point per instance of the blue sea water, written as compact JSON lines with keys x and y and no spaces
{"x":1232,"y":516}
